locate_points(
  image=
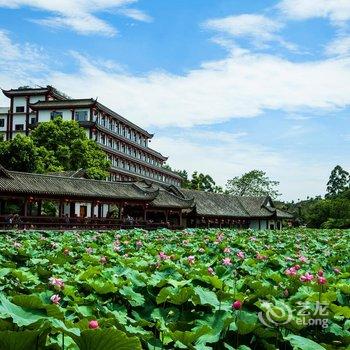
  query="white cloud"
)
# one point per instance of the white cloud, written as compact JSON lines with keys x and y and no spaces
{"x":247,"y":25}
{"x":232,"y":156}
{"x":19,"y":64}
{"x":339,"y":47}
{"x":259,"y":29}
{"x":79,"y":15}
{"x":256,"y":26}
{"x":337,"y":11}
{"x":242,"y":85}
{"x":136,"y":14}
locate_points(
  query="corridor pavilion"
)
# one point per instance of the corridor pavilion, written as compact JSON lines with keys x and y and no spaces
{"x":70,"y":201}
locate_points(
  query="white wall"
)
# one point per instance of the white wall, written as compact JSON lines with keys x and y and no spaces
{"x":34,"y":99}
{"x":254,"y":224}
{"x":19,"y":102}
{"x":45,"y":115}
{"x":3,"y":116}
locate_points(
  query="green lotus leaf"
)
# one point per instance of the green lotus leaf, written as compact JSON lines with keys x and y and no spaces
{"x":103,"y":339}
{"x":301,"y":343}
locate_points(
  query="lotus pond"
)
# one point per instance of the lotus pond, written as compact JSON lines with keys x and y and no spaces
{"x":192,"y":289}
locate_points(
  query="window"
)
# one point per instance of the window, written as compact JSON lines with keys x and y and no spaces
{"x":2,"y":122}
{"x":81,"y":116}
{"x":20,"y":109}
{"x":56,"y":114}
{"x":32,"y":120}
{"x":19,"y":127}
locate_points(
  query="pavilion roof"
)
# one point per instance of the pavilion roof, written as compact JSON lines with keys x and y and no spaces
{"x":168,"y":196}
{"x":71,"y":185}
{"x":26,"y":91}
{"x":18,"y":183}
{"x":225,"y":205}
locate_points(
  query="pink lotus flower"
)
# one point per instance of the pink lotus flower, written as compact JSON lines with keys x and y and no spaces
{"x":89,"y":250}
{"x":297,"y":267}
{"x":227,"y":250}
{"x":226,"y":261}
{"x":237,"y":305}
{"x":220,"y":237}
{"x":320,"y":273}
{"x":56,"y":282}
{"x":291,"y":271}
{"x":93,"y":324}
{"x":55,"y":299}
{"x":103,"y":260}
{"x":117,"y":248}
{"x":321,"y":280}
{"x":191,"y":259}
{"x":303,"y":259}
{"x":253,"y":239}
{"x":307,"y":277}
{"x":337,"y":271}
{"x":163,"y":256}
{"x":240,"y":255}
{"x":139,"y":244}
{"x":261,"y":257}
{"x":211,"y":271}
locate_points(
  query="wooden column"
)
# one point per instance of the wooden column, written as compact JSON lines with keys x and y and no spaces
{"x":40,"y":202}
{"x":180,"y":216}
{"x":92,"y":211}
{"x":25,"y":208}
{"x":60,"y":208}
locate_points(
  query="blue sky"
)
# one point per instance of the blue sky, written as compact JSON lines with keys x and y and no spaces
{"x":226,"y":85}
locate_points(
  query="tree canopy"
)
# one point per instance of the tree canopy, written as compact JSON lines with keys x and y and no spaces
{"x":53,"y":146}
{"x":252,"y":183}
{"x":338,"y":182}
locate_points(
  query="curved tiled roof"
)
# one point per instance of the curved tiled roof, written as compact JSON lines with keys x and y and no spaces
{"x":13,"y":182}
{"x":216,"y":204}
{"x":69,"y":185}
{"x":167,"y":197}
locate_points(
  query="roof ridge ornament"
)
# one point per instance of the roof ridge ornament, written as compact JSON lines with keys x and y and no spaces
{"x":5,"y":173}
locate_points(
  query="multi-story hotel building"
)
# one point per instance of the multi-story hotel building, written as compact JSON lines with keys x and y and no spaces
{"x":125,"y":143}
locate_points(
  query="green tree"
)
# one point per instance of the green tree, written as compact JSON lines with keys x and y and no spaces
{"x":19,"y":154}
{"x":338,"y":182}
{"x":67,"y":142}
{"x":253,"y":183}
{"x":55,"y":146}
{"x":203,"y":182}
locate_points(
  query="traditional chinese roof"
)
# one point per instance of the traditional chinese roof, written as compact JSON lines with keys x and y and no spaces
{"x":28,"y":91}
{"x":72,"y":185}
{"x":216,"y":205}
{"x":69,"y":103}
{"x":28,"y":184}
{"x":86,"y":103}
{"x":225,"y":205}
{"x":284,"y":214}
{"x":168,"y":196}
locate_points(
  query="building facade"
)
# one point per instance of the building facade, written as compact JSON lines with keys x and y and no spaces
{"x":126,"y":145}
